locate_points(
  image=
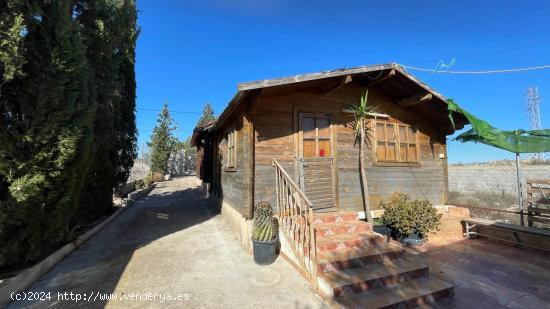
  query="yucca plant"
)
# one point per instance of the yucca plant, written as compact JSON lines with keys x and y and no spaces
{"x":265,"y":226}
{"x":361,"y":113}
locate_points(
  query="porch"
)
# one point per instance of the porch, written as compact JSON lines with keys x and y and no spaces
{"x":352,"y":267}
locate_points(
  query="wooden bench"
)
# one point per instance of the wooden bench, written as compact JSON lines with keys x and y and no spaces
{"x":519,"y":235}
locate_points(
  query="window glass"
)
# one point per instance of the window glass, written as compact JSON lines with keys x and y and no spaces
{"x":324,"y":148}
{"x":309,"y":148}
{"x":316,"y":137}
{"x":395,"y":142}
{"x":380,"y":132}
{"x":381,"y":151}
{"x":308,"y":126}
{"x":323,"y":127}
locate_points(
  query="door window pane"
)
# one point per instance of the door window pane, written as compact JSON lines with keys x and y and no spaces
{"x":309,"y":148}
{"x":324,"y":148}
{"x":323,"y":127}
{"x":316,"y":140}
{"x":308,"y":126}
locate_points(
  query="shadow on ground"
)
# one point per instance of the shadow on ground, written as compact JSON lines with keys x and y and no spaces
{"x":97,"y":266}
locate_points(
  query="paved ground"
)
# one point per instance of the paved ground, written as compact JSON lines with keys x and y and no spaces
{"x":489,"y":275}
{"x":170,"y":244}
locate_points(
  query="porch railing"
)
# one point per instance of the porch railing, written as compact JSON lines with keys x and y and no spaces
{"x":295,"y":215}
{"x":538,"y":201}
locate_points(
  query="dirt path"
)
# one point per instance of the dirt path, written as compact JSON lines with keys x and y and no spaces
{"x":170,"y":249}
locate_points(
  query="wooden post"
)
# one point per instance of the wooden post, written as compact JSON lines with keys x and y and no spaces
{"x":277,"y":191}
{"x":313,"y":250}
{"x":529,"y":204}
{"x":520,"y":200}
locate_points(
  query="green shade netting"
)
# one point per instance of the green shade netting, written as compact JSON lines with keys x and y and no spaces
{"x":517,"y":141}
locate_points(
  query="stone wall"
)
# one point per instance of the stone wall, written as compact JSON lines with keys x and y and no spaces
{"x":496,"y":178}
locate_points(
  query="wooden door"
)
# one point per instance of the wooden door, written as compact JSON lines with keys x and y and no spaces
{"x":315,"y":162}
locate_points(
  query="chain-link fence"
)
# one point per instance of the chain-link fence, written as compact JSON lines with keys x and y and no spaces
{"x":485,"y":179}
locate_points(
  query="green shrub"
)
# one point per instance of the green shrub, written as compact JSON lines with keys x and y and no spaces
{"x":139,"y":184}
{"x":405,"y":215}
{"x":265,"y":226}
{"x":148,"y":180}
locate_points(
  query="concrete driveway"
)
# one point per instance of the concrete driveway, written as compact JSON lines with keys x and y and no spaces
{"x":171,"y":249}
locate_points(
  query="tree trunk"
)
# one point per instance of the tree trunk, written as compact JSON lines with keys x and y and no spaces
{"x":364,"y":186}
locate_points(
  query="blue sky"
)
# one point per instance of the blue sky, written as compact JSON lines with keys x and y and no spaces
{"x":197,"y":51}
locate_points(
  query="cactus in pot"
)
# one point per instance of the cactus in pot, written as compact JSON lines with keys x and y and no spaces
{"x":265,"y":225}
{"x":264,"y":234}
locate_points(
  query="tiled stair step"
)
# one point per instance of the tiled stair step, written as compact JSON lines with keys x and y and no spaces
{"x":336,"y":217}
{"x":355,"y":280}
{"x":357,"y":257}
{"x":345,"y":227}
{"x":348,"y":241}
{"x":408,"y":294}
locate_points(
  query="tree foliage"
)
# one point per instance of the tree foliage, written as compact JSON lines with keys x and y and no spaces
{"x":67,"y":123}
{"x":162,"y":142}
{"x":207,"y":115}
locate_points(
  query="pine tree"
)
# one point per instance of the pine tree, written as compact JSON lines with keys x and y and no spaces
{"x":207,"y":115}
{"x":162,"y":141}
{"x":47,"y":137}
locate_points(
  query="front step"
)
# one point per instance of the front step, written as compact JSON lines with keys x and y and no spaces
{"x":348,"y":241}
{"x":339,"y":216}
{"x":405,"y":295}
{"x":343,"y":227}
{"x":358,"y":269}
{"x":357,"y":257}
{"x":355,"y":280}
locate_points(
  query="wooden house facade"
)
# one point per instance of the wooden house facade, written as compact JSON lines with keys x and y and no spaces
{"x":304,"y":122}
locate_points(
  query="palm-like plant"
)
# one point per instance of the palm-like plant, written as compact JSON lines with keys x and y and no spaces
{"x":361,"y":112}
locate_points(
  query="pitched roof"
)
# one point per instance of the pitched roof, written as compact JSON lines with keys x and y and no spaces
{"x":406,"y":84}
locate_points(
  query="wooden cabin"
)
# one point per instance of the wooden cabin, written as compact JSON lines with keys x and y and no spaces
{"x":304,"y":122}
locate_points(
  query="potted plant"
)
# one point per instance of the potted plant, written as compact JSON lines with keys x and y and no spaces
{"x":264,"y":234}
{"x":379,"y":226}
{"x":410,"y":220}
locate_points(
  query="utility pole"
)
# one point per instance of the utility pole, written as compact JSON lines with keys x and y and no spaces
{"x":533,"y":113}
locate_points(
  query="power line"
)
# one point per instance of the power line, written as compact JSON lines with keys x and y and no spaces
{"x":542,"y":67}
{"x":171,"y":111}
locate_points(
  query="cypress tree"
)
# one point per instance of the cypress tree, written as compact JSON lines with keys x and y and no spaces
{"x":47,"y":135}
{"x":125,"y":126}
{"x":110,"y":31}
{"x":162,"y":142}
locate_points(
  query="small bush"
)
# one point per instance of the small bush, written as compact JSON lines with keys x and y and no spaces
{"x":405,"y":215}
{"x":158,"y":177}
